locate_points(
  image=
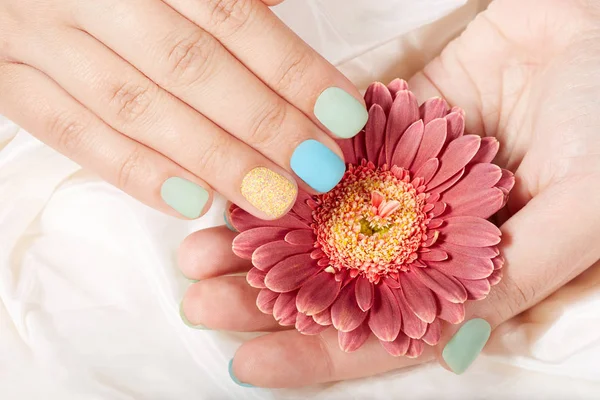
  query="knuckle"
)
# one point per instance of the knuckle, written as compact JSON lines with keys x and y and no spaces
{"x":131,"y":101}
{"x":229,"y":16}
{"x":268,"y":123}
{"x":209,"y":155}
{"x":191,"y":59}
{"x":292,"y":74}
{"x":69,"y":131}
{"x":130,"y":167}
{"x":510,"y":298}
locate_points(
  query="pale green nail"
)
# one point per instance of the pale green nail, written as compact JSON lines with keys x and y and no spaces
{"x":340,"y":112}
{"x":185,"y":197}
{"x":188,"y":323}
{"x":466,"y":344}
{"x":227,"y":223}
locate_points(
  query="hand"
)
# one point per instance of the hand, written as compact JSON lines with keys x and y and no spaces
{"x":167,"y":99}
{"x":532,"y":80}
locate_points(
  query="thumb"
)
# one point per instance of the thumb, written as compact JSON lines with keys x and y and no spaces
{"x":554,"y":238}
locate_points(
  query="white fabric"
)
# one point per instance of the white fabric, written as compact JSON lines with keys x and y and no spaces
{"x":89,"y":288}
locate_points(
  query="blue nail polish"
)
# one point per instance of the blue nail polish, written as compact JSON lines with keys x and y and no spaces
{"x":317,"y":165}
{"x":227,"y":223}
{"x":236,"y":380}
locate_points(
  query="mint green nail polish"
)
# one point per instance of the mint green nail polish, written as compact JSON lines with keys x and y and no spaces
{"x":188,"y":323}
{"x":184,"y":196}
{"x":340,"y":112}
{"x":466,"y":344}
{"x":236,"y":380}
{"x":227,"y":223}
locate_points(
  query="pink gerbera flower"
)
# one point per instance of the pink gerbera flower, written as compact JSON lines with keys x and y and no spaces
{"x":402,"y":242}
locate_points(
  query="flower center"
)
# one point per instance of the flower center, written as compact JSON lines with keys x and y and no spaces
{"x":372,"y":222}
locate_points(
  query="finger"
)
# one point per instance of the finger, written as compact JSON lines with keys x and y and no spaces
{"x":137,"y":107}
{"x":282,"y":60}
{"x":539,"y":260}
{"x":293,"y":360}
{"x":40,"y":106}
{"x":198,"y":70}
{"x":207,"y":254}
{"x":271,"y":3}
{"x":225,"y":303}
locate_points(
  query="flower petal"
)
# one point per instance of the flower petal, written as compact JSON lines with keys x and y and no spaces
{"x":406,"y":148}
{"x":496,"y":277}
{"x":301,"y":237}
{"x":246,"y":242}
{"x":284,"y":310}
{"x":345,"y":313}
{"x":323,"y":318}
{"x":507,"y":181}
{"x":291,"y":273}
{"x":483,"y":252}
{"x":453,"y":313}
{"x":307,"y":326}
{"x":433,"y":108}
{"x":360,"y":147}
{"x":412,"y":325}
{"x":434,"y":333}
{"x":378,"y":93}
{"x":347,"y":147}
{"x":415,"y":349}
{"x":269,"y":254}
{"x":441,"y":284}
{"x":470,"y":232}
{"x":243,"y":221}
{"x":449,"y":183}
{"x":256,"y":278}
{"x":364,"y":293}
{"x":455,"y":157}
{"x":385,"y":319}
{"x":465,"y":267}
{"x":353,"y":340}
{"x":398,"y":347}
{"x":476,"y":289}
{"x":433,"y":141}
{"x":428,"y":170}
{"x":433,"y":255}
{"x":301,"y":207}
{"x":418,"y":297}
{"x":375,"y":131}
{"x":404,"y":112}
{"x":456,"y":125}
{"x":397,"y":85}
{"x":487,"y":151}
{"x":483,"y":205}
{"x":266,"y":300}
{"x":318,"y":293}
{"x":476,"y":179}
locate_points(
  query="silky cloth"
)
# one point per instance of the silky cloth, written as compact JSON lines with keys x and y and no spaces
{"x":89,"y":288}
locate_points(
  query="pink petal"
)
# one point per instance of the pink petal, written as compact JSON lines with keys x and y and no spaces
{"x":375,"y":131}
{"x":433,"y":334}
{"x":376,"y":199}
{"x":397,"y":85}
{"x":404,"y":112}
{"x":398,"y":347}
{"x":385,"y":319}
{"x":323,"y":318}
{"x":428,"y":170}
{"x":291,"y":273}
{"x":441,"y":284}
{"x":451,"y":312}
{"x":307,"y":326}
{"x":456,"y":125}
{"x":345,"y":313}
{"x":482,"y":252}
{"x":318,"y":293}
{"x":487,"y":151}
{"x":466,"y":267}
{"x":476,"y":179}
{"x":347,"y":147}
{"x":433,"y":108}
{"x":267,"y":255}
{"x":438,"y":209}
{"x":266,"y":300}
{"x":496,"y":277}
{"x":507,"y":181}
{"x":476,"y":289}
{"x":482,"y":204}
{"x":360,"y":147}
{"x":392,"y":283}
{"x":407,"y":146}
{"x":378,"y":93}
{"x":301,"y":208}
{"x":364,"y":293}
{"x":498,"y":261}
{"x":418,"y":297}
{"x":243,"y":221}
{"x":256,"y":278}
{"x":433,"y":255}
{"x":450,"y":182}
{"x":457,"y":155}
{"x":415,"y":349}
{"x":246,"y":242}
{"x":353,"y":340}
{"x":284,"y":310}
{"x":470,"y":232}
{"x":301,"y":237}
{"x":412,"y":325}
{"x":433,"y":141}
{"x":432,"y":237}
{"x":435,"y":223}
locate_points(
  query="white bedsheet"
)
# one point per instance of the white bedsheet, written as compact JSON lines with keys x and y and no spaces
{"x":89,"y":289}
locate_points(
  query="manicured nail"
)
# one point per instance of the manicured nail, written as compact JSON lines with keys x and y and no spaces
{"x":340,"y":112}
{"x":317,"y":165}
{"x":185,"y":197}
{"x":236,"y":380}
{"x":188,"y":323}
{"x":227,"y":223}
{"x":268,"y":191}
{"x":466,"y":344}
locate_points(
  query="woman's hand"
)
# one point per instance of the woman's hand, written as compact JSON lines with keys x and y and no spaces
{"x":167,"y":99}
{"x":525,"y":72}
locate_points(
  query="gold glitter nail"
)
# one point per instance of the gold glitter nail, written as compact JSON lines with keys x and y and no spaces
{"x":268,"y":191}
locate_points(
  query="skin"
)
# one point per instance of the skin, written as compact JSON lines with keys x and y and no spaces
{"x":530,"y":78}
{"x":139,"y":91}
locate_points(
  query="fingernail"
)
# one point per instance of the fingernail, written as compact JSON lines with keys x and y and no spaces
{"x":236,"y":380}
{"x":227,"y":223}
{"x":466,"y":344}
{"x":269,"y":191}
{"x":340,"y":112}
{"x":188,"y":323}
{"x":185,"y":197}
{"x":317,"y":165}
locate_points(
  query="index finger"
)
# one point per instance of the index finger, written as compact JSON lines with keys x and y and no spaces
{"x":289,"y":66}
